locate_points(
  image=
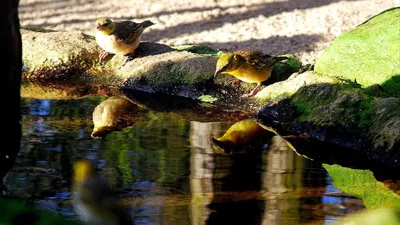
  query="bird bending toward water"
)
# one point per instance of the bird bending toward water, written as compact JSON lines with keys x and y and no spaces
{"x":240,"y":136}
{"x":119,"y":37}
{"x":114,"y":114}
{"x":93,"y":200}
{"x":248,"y":66}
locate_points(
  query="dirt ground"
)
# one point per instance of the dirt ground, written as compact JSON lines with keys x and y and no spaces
{"x":301,"y":27}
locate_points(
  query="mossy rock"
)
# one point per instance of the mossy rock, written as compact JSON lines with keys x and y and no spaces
{"x":368,"y":54}
{"x":283,"y":90}
{"x":335,"y":111}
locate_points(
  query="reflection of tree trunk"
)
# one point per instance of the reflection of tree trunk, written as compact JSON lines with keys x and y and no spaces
{"x":11,"y":65}
{"x":284,"y":173}
{"x":201,"y":169}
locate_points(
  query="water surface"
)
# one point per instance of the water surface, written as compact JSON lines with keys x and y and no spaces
{"x":167,"y":172}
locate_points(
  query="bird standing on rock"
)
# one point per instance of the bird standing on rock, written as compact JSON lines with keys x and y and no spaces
{"x":119,"y":37}
{"x":248,"y":66}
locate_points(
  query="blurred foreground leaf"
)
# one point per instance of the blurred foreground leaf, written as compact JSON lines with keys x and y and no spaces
{"x":16,"y":212}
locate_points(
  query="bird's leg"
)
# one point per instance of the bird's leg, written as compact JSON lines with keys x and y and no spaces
{"x":103,"y":55}
{"x":128,"y":57}
{"x":253,"y":92}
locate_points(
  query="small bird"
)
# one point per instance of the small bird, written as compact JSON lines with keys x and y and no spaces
{"x":121,"y":37}
{"x":248,"y":66}
{"x":240,"y":136}
{"x":93,"y":200}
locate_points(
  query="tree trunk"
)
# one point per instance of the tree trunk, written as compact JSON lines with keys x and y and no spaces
{"x":10,"y":81}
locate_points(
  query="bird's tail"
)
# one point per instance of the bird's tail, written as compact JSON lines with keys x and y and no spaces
{"x":147,"y":23}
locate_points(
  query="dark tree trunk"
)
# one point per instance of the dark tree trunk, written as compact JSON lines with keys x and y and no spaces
{"x":10,"y":80}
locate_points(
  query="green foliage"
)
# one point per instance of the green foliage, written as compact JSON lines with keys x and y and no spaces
{"x":362,"y":184}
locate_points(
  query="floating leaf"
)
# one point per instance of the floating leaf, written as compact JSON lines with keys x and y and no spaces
{"x":207,"y":98}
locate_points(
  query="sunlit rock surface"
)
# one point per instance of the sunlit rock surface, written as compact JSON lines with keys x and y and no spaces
{"x":369,"y":53}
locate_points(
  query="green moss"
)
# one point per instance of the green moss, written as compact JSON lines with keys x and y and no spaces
{"x":303,"y":107}
{"x":385,"y":123}
{"x":362,"y":184}
{"x":114,"y":62}
{"x":388,"y":88}
{"x":310,"y":98}
{"x":365,"y":112}
{"x":325,"y":100}
{"x":281,"y":90}
{"x":287,"y":66}
{"x":369,"y":53}
{"x":333,"y":105}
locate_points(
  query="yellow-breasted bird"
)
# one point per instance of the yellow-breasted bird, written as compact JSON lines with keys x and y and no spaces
{"x":122,"y":37}
{"x":248,"y":66}
{"x":239,"y":136}
{"x":93,"y":200}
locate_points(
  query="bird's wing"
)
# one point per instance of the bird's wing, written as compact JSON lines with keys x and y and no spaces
{"x":128,"y":31}
{"x":258,"y":59}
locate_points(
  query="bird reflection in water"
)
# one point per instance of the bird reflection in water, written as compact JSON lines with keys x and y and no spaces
{"x":242,"y":136}
{"x":114,"y":114}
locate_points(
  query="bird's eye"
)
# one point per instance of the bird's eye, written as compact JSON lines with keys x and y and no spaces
{"x":105,"y":24}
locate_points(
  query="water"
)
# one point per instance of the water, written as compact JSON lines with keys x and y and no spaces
{"x":166,"y":170}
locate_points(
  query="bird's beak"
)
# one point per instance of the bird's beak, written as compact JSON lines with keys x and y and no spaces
{"x":217,"y":71}
{"x":99,"y":27}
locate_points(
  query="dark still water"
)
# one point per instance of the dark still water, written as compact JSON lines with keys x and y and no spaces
{"x":166,"y":170}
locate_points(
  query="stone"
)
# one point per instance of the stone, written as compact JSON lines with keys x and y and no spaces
{"x":368,"y":54}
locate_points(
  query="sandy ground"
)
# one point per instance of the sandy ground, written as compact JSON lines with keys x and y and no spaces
{"x":301,"y":27}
